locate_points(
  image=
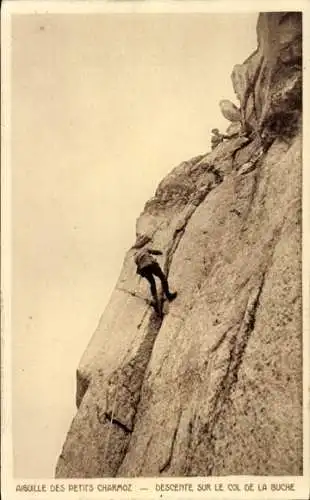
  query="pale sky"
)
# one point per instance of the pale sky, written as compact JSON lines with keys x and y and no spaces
{"x":103,"y":106}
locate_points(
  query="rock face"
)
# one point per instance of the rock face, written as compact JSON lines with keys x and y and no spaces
{"x":268,"y":84}
{"x":215,"y":386}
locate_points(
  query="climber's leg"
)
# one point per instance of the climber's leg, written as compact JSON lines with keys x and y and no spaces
{"x":156,"y":270}
{"x":147,"y":273}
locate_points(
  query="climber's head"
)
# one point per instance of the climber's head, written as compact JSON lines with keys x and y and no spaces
{"x":215,"y":131}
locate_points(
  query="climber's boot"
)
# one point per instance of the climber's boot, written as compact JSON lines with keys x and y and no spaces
{"x":171,"y":296}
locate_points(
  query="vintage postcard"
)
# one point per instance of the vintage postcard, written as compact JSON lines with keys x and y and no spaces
{"x":155,"y":242}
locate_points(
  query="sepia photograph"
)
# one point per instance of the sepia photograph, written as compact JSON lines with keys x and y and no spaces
{"x":153,"y":309}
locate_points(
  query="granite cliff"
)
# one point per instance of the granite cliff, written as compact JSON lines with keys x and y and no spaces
{"x":215,"y":386}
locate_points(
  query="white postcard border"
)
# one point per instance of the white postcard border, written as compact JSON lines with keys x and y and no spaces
{"x":143,"y":487}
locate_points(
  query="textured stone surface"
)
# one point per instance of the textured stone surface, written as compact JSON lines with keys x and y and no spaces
{"x":269,"y":83}
{"x":230,"y":111}
{"x":215,"y":386}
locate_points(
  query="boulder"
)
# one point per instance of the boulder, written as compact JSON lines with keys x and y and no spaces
{"x":230,"y":111}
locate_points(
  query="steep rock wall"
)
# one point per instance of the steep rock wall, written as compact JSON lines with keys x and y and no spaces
{"x":269,"y":83}
{"x":215,"y":386}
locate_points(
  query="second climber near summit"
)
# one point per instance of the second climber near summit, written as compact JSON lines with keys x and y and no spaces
{"x":148,"y":267}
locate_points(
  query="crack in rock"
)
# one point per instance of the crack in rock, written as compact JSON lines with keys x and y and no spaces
{"x":238,"y":344}
{"x":167,"y":462}
{"x":120,"y":424}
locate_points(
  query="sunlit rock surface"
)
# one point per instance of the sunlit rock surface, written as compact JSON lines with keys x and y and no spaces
{"x":215,"y":386}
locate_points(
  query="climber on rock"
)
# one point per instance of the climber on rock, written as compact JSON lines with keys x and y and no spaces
{"x":217,"y":137}
{"x":148,"y":267}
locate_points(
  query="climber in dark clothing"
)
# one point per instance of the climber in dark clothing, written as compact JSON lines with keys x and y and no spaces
{"x":217,"y":138}
{"x":148,"y":267}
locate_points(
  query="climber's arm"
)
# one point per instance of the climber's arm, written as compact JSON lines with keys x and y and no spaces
{"x":155,"y":252}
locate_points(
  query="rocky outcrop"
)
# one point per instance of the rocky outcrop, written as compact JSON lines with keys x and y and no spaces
{"x":215,"y":386}
{"x":230,"y":111}
{"x":268,"y":84}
